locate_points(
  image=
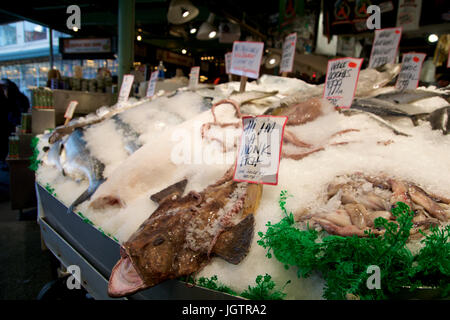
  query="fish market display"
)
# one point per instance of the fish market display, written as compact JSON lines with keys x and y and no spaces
{"x":157,"y":176}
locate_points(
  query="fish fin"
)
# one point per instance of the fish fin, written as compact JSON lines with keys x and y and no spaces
{"x":233,"y":244}
{"x":85,"y":195}
{"x":176,"y":188}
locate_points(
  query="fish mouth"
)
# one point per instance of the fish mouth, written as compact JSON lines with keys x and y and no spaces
{"x":124,"y":279}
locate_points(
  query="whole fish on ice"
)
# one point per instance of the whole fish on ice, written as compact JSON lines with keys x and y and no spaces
{"x":181,"y":235}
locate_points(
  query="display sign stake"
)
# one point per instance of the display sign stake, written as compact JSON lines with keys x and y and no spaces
{"x":69,"y":111}
{"x":243,"y":84}
{"x":409,"y":75}
{"x":342,"y":78}
{"x":258,"y":160}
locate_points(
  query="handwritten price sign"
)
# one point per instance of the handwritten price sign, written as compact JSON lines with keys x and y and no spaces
{"x":385,"y":46}
{"x":193,"y":77}
{"x":342,"y":77}
{"x":287,"y":59}
{"x":125,"y":88}
{"x":246,"y":58}
{"x":259,"y":153}
{"x":408,"y":77}
{"x":70,"y":109}
{"x":152,"y":84}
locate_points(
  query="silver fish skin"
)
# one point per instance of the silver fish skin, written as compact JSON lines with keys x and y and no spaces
{"x":376,"y":118}
{"x":80,"y":161}
{"x":409,"y":96}
{"x":439,"y":119}
{"x":129,"y":135}
{"x":54,"y":156}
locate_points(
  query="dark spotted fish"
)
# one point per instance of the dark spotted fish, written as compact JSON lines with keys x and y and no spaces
{"x":181,"y":235}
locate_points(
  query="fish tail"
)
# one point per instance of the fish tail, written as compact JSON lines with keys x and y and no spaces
{"x":86,"y":195}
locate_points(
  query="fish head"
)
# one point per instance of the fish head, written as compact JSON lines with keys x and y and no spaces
{"x":153,"y":253}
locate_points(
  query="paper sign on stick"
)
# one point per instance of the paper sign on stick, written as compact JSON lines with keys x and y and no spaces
{"x":246,"y":59}
{"x":385,"y":46}
{"x":125,"y":89}
{"x":70,"y":109}
{"x":193,"y":77}
{"x":409,"y":75}
{"x":152,"y":84}
{"x":228,"y":57}
{"x":287,"y":59}
{"x":259,"y":153}
{"x":341,"y":80}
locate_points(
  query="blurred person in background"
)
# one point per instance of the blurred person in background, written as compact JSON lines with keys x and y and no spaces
{"x":12,"y":104}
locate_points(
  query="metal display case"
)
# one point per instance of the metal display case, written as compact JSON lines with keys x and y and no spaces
{"x":75,"y":242}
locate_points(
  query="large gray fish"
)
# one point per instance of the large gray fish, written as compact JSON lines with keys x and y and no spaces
{"x":79,"y":161}
{"x":409,"y":96}
{"x":385,"y":108}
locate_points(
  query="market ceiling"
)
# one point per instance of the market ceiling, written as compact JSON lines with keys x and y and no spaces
{"x":100,"y":17}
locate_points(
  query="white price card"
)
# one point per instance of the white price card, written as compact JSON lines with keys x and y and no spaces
{"x":152,"y":84}
{"x":70,"y":109}
{"x":258,"y":159}
{"x":287,"y":59}
{"x":385,"y":46}
{"x":246,"y":59}
{"x":193,"y":77}
{"x":228,"y":57}
{"x":125,"y":88}
{"x":409,"y":75}
{"x":342,"y":78}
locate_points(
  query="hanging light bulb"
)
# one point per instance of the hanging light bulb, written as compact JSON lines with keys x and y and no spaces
{"x":433,"y":38}
{"x":139,"y":38}
{"x":207,"y":30}
{"x":212,"y":34}
{"x":75,"y":29}
{"x":184,"y":12}
{"x":193,"y":30}
{"x":183,"y":51}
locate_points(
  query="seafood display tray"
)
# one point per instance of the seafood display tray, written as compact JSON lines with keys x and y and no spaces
{"x":74,"y":242}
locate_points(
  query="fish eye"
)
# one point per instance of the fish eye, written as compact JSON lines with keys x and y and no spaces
{"x":158,"y":241}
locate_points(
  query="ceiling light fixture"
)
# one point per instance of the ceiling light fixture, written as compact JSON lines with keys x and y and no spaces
{"x":207,"y":30}
{"x":193,"y":30}
{"x":139,"y":38}
{"x":181,"y":11}
{"x":183,"y":51}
